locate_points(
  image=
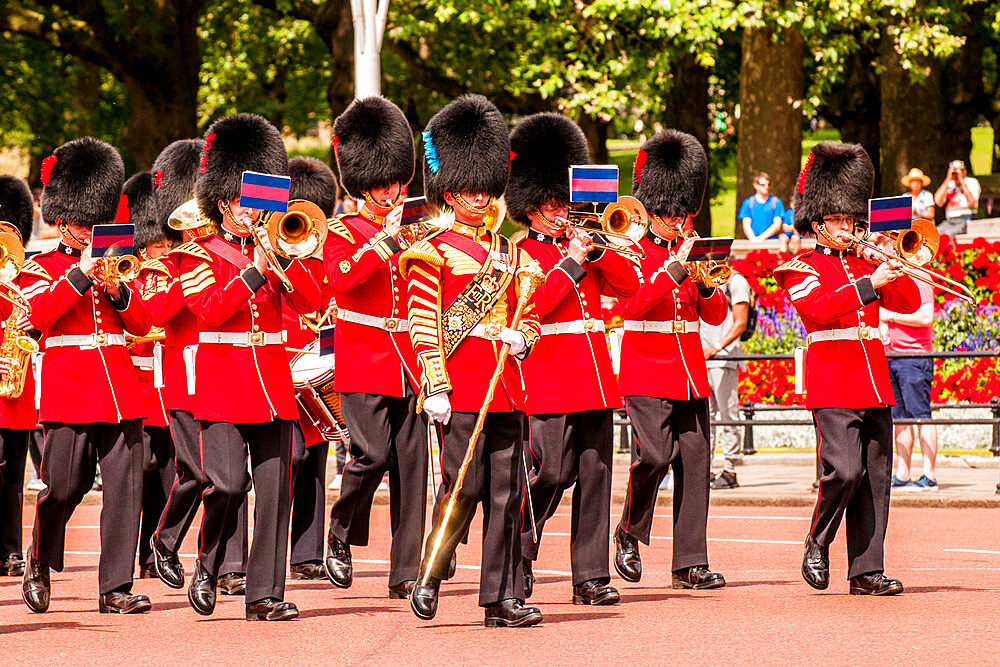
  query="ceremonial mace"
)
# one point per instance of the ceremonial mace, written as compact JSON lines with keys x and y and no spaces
{"x":528,"y":279}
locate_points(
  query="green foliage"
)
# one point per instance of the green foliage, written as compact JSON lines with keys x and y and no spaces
{"x":254,"y":59}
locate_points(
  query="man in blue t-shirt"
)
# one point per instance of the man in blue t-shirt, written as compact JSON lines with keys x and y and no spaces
{"x":761,"y":213}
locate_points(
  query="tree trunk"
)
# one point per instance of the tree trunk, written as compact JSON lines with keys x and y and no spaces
{"x":686,"y":109}
{"x":333,"y":24}
{"x":158,"y":114}
{"x":770,"y":123}
{"x":854,"y":107}
{"x":596,"y":131}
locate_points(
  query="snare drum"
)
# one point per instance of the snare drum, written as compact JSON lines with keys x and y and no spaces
{"x":312,"y":376}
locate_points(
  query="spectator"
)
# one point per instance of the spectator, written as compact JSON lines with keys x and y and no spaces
{"x":790,"y":239}
{"x":959,"y":194}
{"x":911,"y":385}
{"x":761,"y":212}
{"x":719,"y":342}
{"x":923,"y":201}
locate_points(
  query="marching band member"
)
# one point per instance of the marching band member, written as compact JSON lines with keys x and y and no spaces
{"x":311,"y":180}
{"x":244,"y":401}
{"x":18,"y":415}
{"x":376,"y":367}
{"x":175,"y":172}
{"x":570,"y":414}
{"x":461,"y":296}
{"x":663,"y":376}
{"x":83,"y":319}
{"x":150,"y":243}
{"x":837,"y":295}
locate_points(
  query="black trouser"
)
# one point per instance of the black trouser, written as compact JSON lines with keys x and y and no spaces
{"x":158,"y":477}
{"x":855,"y":449}
{"x":494,"y":478}
{"x":225,"y":449}
{"x":386,"y":434}
{"x":13,"y":457}
{"x":308,"y":498}
{"x":69,"y":461}
{"x":35,"y":441}
{"x":184,"y":497}
{"x":671,"y":432}
{"x":570,"y":449}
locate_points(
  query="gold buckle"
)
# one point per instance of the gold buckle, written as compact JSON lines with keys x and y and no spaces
{"x":863,"y":332}
{"x":588,"y":325}
{"x":679,"y":326}
{"x":101,"y":340}
{"x":389,"y":324}
{"x":256,"y":338}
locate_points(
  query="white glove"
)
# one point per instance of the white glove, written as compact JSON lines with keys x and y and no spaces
{"x":518,"y":343}
{"x":438,"y":407}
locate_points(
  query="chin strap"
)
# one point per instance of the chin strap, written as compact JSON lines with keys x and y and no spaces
{"x":68,"y":237}
{"x":478,"y":210}
{"x":836,"y":243}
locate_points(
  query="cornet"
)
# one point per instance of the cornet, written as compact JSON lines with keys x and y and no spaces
{"x":708,"y":273}
{"x":298,"y":233}
{"x":109,"y":271}
{"x":612,"y":226}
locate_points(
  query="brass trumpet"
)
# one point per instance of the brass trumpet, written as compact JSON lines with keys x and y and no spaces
{"x":708,"y":273}
{"x":109,"y":271}
{"x":298,"y":233}
{"x":915,"y":247}
{"x":612,"y":225}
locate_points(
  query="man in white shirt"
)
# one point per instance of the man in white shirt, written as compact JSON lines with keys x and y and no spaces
{"x":959,"y":194}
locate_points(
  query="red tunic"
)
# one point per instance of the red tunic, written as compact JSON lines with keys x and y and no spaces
{"x":153,"y":277}
{"x":167,"y":310}
{"x":241,"y":384}
{"x":833,"y":291}
{"x":438,"y":270}
{"x":666,"y":365}
{"x":572,"y":293}
{"x":362,"y":270}
{"x":81,"y":385}
{"x":20,"y":412}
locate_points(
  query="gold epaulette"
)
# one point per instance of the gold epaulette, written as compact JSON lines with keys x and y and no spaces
{"x":338,"y":227}
{"x":33,"y":268}
{"x":421,"y":250}
{"x":156,"y":266}
{"x":797,"y":266}
{"x":193,"y":249}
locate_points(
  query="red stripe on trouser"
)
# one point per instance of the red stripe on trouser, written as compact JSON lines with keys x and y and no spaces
{"x":819,"y":482}
{"x":638,"y":451}
{"x":38,"y":498}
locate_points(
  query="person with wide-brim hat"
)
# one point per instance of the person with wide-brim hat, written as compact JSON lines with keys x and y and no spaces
{"x":923,"y":201}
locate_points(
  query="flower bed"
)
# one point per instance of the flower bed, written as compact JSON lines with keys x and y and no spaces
{"x":958,"y":326}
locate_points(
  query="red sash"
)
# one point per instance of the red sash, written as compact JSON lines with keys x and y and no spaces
{"x":228,"y":253}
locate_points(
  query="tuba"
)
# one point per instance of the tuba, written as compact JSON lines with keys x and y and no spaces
{"x":17,"y":347}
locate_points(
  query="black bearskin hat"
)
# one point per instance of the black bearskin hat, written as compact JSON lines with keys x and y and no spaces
{"x":175,"y":172}
{"x":83,"y":183}
{"x":466,"y":149}
{"x":670,"y":174}
{"x":544,"y":146}
{"x":237,"y":143}
{"x":313,"y":181}
{"x":16,"y":205}
{"x":140,"y":189}
{"x":373,"y":144}
{"x":837,"y":179}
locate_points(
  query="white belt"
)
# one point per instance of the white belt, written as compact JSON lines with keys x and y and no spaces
{"x":384,"y":323}
{"x":85,"y":341}
{"x":662,"y":326}
{"x":575,"y":327}
{"x":850,"y":333}
{"x":242,"y":338}
{"x":145,"y":363}
{"x":486,"y":331}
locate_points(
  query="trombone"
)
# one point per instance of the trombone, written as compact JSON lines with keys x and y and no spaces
{"x":612,"y":225}
{"x":298,"y":233}
{"x":915,"y":247}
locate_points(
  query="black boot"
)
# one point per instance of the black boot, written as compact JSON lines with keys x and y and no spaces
{"x":339,"y":569}
{"x":402,"y":590}
{"x":816,"y":565}
{"x":35,"y":587}
{"x":595,"y":592}
{"x":233,"y":583}
{"x":168,"y":567}
{"x":875,"y":583}
{"x":698,"y":577}
{"x":424,"y":598}
{"x":117,"y":602}
{"x":310,"y":570}
{"x":13,"y":566}
{"x":271,"y":609}
{"x":627,"y":561}
{"x":201,"y":592}
{"x":529,"y":579}
{"x":511,"y":613}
